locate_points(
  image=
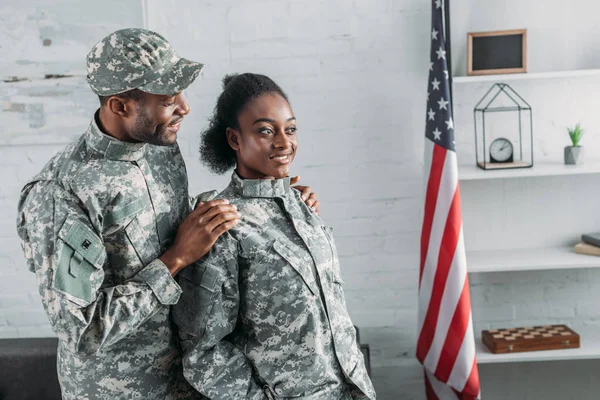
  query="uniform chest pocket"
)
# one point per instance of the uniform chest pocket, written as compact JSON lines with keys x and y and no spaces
{"x":122,"y":214}
{"x":143,"y":238}
{"x":82,"y":254}
{"x":200,"y":286}
{"x":300,"y":264}
{"x":132,"y":228}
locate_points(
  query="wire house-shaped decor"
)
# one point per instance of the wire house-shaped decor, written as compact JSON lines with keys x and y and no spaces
{"x":503,"y":129}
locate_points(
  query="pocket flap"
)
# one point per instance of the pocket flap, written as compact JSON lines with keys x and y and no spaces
{"x":83,"y":240}
{"x":299,"y":264}
{"x":207,"y":277}
{"x":122,"y":213}
{"x":211,"y":279}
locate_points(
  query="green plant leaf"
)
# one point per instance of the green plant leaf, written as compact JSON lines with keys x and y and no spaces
{"x":575,"y":134}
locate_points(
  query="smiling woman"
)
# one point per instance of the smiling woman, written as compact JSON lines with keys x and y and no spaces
{"x":265,"y":140}
{"x":264,"y":314}
{"x":251,"y":113}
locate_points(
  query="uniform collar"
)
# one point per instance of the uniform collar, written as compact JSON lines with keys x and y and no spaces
{"x":260,"y":187}
{"x":112,"y":148}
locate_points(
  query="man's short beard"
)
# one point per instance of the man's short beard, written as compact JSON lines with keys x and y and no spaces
{"x":142,"y":130}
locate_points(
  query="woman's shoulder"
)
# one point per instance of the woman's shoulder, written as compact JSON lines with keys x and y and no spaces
{"x":309,"y":214}
{"x":229,"y":194}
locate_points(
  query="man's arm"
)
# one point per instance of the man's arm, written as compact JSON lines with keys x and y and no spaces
{"x":206,"y":313}
{"x":68,"y":256}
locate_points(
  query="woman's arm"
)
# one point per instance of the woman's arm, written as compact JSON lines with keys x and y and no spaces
{"x":206,"y":313}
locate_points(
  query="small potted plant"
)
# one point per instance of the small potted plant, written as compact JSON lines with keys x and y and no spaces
{"x":574,"y":153}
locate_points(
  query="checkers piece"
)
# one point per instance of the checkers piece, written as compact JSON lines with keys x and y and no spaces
{"x":530,"y":338}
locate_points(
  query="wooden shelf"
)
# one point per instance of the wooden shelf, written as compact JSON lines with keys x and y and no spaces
{"x":590,"y":349}
{"x":529,"y":260}
{"x":472,"y":172}
{"x":525,"y":76}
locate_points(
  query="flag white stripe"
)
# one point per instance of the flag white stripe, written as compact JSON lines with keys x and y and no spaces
{"x":429,"y":146}
{"x":464,"y":361}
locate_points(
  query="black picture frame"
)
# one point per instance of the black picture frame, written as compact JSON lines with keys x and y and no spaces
{"x":497,"y":52}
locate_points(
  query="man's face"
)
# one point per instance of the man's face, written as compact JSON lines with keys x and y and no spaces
{"x":155,"y":118}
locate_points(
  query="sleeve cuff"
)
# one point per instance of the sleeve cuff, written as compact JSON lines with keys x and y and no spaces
{"x":157,"y":276}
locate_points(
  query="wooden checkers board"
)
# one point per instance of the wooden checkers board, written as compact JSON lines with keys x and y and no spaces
{"x":530,"y":338}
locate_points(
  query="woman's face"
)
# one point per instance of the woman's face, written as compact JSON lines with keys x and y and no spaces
{"x":266,"y":141}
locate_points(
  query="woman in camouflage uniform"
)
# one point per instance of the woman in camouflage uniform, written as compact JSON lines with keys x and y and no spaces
{"x":263,"y":315}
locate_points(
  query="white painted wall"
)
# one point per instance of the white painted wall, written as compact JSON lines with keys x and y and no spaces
{"x":356,"y":74}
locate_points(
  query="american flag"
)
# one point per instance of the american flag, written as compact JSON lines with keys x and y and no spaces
{"x":445,"y":346}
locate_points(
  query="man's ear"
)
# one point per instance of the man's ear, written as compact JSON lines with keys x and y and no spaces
{"x":118,"y":106}
{"x":233,"y":138}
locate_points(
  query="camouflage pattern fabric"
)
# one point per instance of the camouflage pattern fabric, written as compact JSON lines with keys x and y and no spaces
{"x":263,"y":315}
{"x":138,"y":59}
{"x":92,"y":225}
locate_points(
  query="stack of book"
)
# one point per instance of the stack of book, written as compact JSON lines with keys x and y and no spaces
{"x":590,"y":244}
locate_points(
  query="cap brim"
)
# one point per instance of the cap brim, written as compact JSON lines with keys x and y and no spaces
{"x":176,"y":79}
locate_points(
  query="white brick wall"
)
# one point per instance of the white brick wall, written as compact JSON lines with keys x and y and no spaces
{"x":355,"y":73}
{"x":356,"y":86}
{"x":38,"y":117}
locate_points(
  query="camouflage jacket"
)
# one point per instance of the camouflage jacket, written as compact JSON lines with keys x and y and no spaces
{"x":92,"y":225}
{"x":263,"y":315}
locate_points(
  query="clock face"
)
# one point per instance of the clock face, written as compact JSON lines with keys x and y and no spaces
{"x":501,"y":150}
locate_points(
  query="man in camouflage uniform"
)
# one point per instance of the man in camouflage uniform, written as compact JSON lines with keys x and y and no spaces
{"x":263,"y":315}
{"x":99,"y":227}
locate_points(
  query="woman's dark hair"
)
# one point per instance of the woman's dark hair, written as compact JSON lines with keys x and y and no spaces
{"x":238,"y":90}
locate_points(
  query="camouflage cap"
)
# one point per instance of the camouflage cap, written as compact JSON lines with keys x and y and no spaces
{"x":138,"y":59}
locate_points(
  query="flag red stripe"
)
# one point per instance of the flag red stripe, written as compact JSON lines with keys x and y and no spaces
{"x":464,"y":396}
{"x":446,"y":255}
{"x":455,"y":336}
{"x":472,"y":385}
{"x":429,"y":392}
{"x":433,"y":186}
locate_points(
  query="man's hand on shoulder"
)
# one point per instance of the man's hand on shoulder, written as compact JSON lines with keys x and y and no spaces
{"x":307,"y":194}
{"x":198,"y":232}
